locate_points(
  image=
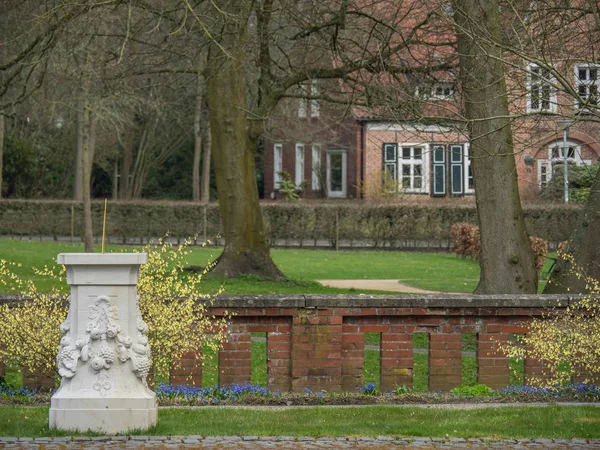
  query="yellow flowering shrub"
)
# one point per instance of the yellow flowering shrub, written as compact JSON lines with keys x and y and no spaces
{"x":170,"y":301}
{"x":174,"y":309}
{"x":566,"y":340}
{"x":30,"y":325}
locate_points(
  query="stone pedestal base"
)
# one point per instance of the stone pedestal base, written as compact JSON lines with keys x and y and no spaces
{"x":104,"y":355}
{"x":108,"y":415}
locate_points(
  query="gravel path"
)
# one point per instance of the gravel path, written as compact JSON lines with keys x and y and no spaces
{"x":283,"y":442}
{"x":377,"y":285}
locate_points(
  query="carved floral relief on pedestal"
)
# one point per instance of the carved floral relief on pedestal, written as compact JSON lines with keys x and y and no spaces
{"x":103,"y":340}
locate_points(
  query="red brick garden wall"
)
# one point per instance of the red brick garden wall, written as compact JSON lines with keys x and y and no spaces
{"x":318,"y":341}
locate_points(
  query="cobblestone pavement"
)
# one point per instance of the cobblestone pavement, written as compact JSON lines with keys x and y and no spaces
{"x":283,"y":442}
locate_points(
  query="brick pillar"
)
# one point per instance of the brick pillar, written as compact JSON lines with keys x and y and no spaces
{"x":279,"y":367}
{"x":235,"y":358}
{"x":492,"y":365}
{"x":445,"y":361}
{"x":188,"y":370}
{"x":396,"y":359}
{"x":353,"y":357}
{"x":316,"y":351}
{"x":535,"y":372}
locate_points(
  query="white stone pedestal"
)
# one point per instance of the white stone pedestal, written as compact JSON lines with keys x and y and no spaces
{"x":104,"y":355}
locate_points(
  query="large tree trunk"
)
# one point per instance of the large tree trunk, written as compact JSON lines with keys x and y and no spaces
{"x":197,"y":139}
{"x":1,"y":149}
{"x":87,"y":159}
{"x":246,"y":250}
{"x":584,"y":248}
{"x":507,"y":262}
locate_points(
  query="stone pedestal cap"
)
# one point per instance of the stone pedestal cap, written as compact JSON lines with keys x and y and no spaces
{"x":101,"y":259}
{"x":102,"y":269}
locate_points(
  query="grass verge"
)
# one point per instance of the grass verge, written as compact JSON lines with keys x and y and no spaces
{"x":506,"y":422}
{"x":433,"y":271}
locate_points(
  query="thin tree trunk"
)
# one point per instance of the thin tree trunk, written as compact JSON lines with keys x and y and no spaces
{"x":77,"y":191}
{"x":507,"y":261}
{"x":246,"y":250}
{"x":197,"y":139}
{"x":88,"y":140}
{"x":126,"y":162}
{"x":1,"y":149}
{"x":115,"y":184}
{"x":206,"y":158}
{"x":584,"y":248}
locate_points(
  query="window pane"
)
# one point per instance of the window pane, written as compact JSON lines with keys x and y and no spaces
{"x":405,"y":170}
{"x":439,"y":187}
{"x":417,"y":182}
{"x":439,"y":156}
{"x":593,"y":74}
{"x":456,"y":154}
{"x":390,"y":152}
{"x":582,"y":73}
{"x":418,"y":151}
{"x":418,"y":170}
{"x":336,"y":172}
{"x":390,"y":170}
{"x":457,"y":179}
{"x":405,"y":152}
{"x":470,"y":181}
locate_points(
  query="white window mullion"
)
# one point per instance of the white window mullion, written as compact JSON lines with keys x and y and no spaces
{"x":277,"y":165}
{"x":299,"y":175}
{"x":316,"y":167}
{"x":468,"y":171}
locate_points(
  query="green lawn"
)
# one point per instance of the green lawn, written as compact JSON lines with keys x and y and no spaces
{"x":435,"y":271}
{"x":507,"y":422}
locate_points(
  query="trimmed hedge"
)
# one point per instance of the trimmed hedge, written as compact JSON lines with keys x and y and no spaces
{"x":299,"y":223}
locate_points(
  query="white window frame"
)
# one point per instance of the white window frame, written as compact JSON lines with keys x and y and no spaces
{"x":551,"y":162}
{"x":299,"y":164}
{"x":549,"y":81}
{"x":315,"y":105}
{"x":424,"y":161}
{"x":316,"y":167}
{"x":277,"y":165}
{"x":560,"y":159}
{"x":429,"y":91}
{"x":302,"y":104}
{"x":579,"y":104}
{"x":343,"y":192}
{"x":543,"y":163}
{"x":439,"y":164}
{"x":467,"y":165}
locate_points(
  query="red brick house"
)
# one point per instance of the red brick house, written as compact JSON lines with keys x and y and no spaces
{"x":364,"y":152}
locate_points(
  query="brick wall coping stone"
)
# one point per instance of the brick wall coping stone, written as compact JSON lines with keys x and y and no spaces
{"x":329,"y":301}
